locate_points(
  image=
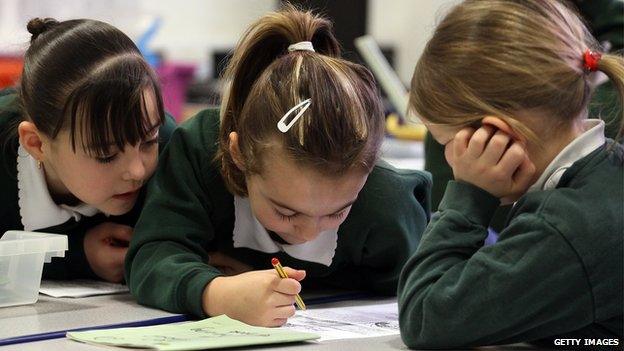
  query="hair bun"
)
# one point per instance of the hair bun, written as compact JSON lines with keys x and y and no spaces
{"x":36,"y":26}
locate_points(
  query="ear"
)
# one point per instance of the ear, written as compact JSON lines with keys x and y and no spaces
{"x":237,"y":157}
{"x":31,"y":139}
{"x":502,"y":126}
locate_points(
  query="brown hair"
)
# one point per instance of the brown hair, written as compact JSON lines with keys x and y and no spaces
{"x":88,"y":77}
{"x":497,"y":57}
{"x":342,"y":128}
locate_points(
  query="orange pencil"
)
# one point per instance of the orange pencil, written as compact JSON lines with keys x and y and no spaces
{"x":280,"y":271}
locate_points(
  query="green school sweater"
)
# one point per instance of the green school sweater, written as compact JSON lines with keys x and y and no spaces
{"x":189,"y":212}
{"x":556,"y":270}
{"x":74,"y":264}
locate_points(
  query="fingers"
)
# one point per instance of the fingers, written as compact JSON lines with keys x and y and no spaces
{"x":285,"y":312}
{"x":496,"y":147}
{"x":281,"y":315}
{"x":479,"y":140}
{"x":524,"y":175}
{"x":111,"y":263}
{"x":297,"y":274}
{"x":278,"y":322}
{"x":116,"y":255}
{"x":511,"y":160}
{"x":122,"y":232}
{"x":287,"y":286}
{"x":461,"y":140}
{"x":278,"y":299}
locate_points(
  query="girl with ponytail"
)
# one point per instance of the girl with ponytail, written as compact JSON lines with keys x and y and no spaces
{"x":289,"y":168}
{"x":505,"y":86}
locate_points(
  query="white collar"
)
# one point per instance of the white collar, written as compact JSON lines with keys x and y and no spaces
{"x":249,"y":233}
{"x":583,"y":145}
{"x":37,"y":208}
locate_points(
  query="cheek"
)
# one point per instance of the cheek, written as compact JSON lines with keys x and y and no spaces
{"x":96,"y":182}
{"x":448,"y":153}
{"x":151,"y":163}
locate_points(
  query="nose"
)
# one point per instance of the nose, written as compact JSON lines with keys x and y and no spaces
{"x":309,"y":229}
{"x":136,"y":166}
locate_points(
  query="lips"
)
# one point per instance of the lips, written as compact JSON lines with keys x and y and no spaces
{"x":126,"y":195}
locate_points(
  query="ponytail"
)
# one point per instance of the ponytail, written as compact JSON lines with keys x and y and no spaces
{"x":613,"y":66}
{"x":262,"y":44}
{"x":342,"y":126}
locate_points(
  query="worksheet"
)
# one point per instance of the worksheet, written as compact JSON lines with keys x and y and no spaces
{"x":348,"y":322}
{"x":211,"y":333}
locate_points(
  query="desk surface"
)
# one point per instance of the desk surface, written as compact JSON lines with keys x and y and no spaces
{"x":51,"y":314}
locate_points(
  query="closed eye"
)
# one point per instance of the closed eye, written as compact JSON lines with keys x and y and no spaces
{"x":283,"y":217}
{"x":149,"y":143}
{"x":106,"y":159}
{"x":338,"y":215}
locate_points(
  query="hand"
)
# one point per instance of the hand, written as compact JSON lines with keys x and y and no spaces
{"x":491,"y":160}
{"x":227,"y":264}
{"x":105,"y":246}
{"x":259,"y":298}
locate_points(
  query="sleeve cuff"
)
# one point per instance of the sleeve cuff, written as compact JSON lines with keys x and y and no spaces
{"x":475,"y":203}
{"x":194,"y":292}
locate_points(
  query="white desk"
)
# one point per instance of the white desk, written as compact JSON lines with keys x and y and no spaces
{"x":50,"y":314}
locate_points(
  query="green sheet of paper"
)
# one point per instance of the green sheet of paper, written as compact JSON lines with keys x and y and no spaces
{"x":211,"y":333}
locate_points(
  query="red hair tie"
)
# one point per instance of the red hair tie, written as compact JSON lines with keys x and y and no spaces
{"x":590,"y":60}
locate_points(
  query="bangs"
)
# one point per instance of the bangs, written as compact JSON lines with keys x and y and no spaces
{"x":104,"y":115}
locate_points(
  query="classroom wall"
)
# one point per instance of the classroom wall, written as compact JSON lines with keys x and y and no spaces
{"x":406,"y":25}
{"x":191,"y":29}
{"x":194,"y":28}
{"x":14,"y":15}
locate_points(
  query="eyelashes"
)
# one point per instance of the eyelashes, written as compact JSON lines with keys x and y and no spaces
{"x":145,"y":146}
{"x":286,"y":218}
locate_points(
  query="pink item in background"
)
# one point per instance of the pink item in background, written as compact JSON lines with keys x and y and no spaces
{"x":174,"y":79}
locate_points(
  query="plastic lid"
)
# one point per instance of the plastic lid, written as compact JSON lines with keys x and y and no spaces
{"x":15,"y":242}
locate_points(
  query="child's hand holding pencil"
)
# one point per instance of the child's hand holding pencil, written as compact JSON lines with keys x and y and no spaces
{"x":280,"y":271}
{"x":260,"y":298}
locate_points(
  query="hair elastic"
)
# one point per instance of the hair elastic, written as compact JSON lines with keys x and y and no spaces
{"x":301,"y":46}
{"x":590,"y":60}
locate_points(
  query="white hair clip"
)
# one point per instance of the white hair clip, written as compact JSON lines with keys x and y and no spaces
{"x":282,"y":126}
{"x":301,"y":46}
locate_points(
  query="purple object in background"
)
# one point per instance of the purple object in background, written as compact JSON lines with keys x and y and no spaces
{"x":174,"y":79}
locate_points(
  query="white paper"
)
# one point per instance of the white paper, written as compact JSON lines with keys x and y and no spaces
{"x":80,"y":288}
{"x":348,"y":322}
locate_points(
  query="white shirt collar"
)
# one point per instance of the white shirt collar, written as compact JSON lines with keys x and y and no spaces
{"x":583,"y":145}
{"x":37,"y":208}
{"x":249,"y":233}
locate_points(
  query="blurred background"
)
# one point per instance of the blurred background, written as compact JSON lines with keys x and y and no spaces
{"x":188,"y":42}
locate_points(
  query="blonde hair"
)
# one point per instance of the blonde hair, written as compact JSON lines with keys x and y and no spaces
{"x":498,"y":57}
{"x":341,"y":130}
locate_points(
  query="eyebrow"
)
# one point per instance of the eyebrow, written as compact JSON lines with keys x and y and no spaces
{"x":279,"y":204}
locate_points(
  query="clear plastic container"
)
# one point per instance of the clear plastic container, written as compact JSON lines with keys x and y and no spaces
{"x":22,"y":255}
